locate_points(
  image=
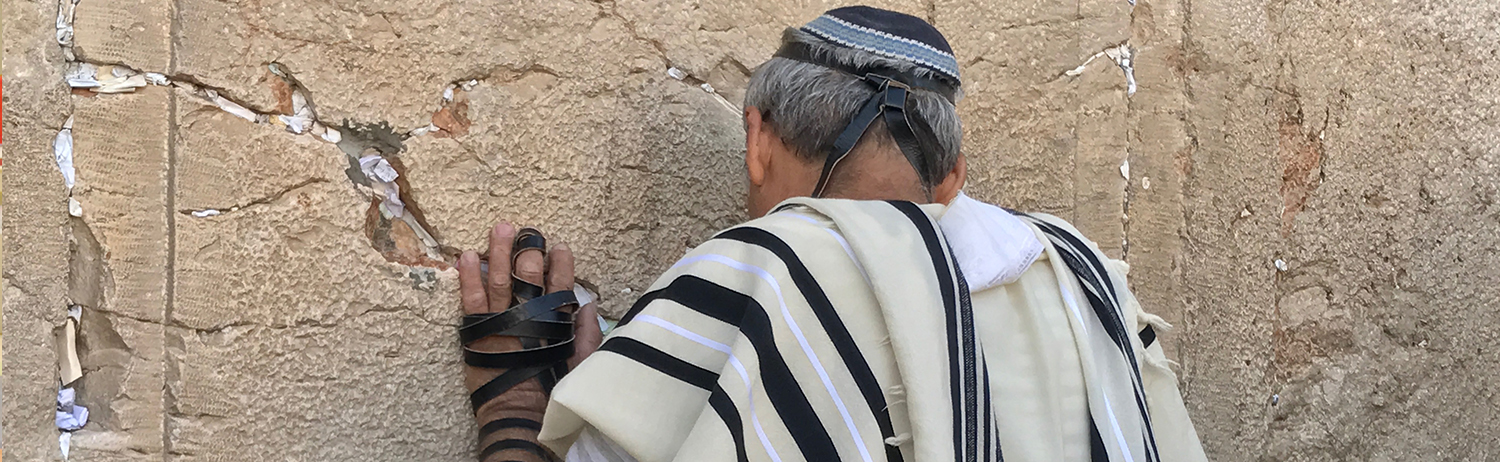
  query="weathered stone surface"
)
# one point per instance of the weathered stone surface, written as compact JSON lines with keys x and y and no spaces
{"x":1359,"y":144}
{"x":35,"y":286}
{"x":122,"y":186}
{"x":137,"y":33}
{"x":637,"y":196}
{"x":305,"y":392}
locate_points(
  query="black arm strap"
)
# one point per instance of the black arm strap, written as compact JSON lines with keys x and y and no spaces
{"x":509,"y":422}
{"x":535,"y":320}
{"x":516,"y":444}
{"x":478,"y":326}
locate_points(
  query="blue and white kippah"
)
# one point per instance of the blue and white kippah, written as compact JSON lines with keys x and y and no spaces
{"x":889,"y":34}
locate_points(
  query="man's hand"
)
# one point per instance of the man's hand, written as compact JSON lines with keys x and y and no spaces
{"x":491,"y":293}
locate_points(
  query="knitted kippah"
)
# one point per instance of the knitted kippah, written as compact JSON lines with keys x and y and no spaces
{"x":888,"y":34}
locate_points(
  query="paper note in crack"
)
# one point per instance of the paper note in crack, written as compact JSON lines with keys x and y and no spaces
{"x":377,"y":167}
{"x":382,"y":180}
{"x":1123,"y":57}
{"x":69,"y":368}
{"x":82,"y":75}
{"x":62,"y":152}
{"x":70,"y":415}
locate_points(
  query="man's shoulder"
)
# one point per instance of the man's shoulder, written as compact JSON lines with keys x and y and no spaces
{"x":774,"y":230}
{"x":785,"y":223}
{"x":1040,"y":218}
{"x":1060,"y":231}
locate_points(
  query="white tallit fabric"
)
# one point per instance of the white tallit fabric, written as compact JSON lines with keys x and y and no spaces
{"x":772,"y":378}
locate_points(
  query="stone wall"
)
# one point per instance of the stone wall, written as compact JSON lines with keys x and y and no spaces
{"x":1306,"y":189}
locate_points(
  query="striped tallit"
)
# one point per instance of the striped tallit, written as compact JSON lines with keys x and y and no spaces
{"x":829,"y":330}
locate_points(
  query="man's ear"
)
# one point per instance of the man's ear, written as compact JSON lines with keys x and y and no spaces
{"x":944,"y":192}
{"x":757,"y":145}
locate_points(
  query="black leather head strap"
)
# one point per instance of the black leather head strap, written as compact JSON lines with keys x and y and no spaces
{"x":915,"y":139}
{"x":912,"y":134}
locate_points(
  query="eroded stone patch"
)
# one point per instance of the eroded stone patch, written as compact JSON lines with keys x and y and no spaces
{"x":1301,"y":156}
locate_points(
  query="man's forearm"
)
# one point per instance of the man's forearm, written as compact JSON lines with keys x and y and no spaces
{"x":517,"y":416}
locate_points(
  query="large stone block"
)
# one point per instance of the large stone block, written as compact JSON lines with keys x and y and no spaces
{"x":137,"y":33}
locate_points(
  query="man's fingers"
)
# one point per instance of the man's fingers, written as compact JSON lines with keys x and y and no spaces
{"x":531,"y":266}
{"x":471,"y":284}
{"x":587,"y":336}
{"x":498,"y":286}
{"x":559,"y":269}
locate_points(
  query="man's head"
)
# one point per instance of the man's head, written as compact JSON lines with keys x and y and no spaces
{"x":801,"y":101}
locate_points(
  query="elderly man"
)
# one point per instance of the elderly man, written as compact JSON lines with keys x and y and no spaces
{"x":845,"y":322}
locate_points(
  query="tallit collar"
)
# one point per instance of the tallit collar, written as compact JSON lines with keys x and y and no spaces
{"x":991,"y":245}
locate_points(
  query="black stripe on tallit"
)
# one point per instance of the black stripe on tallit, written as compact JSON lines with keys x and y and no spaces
{"x":640,"y":304}
{"x":1095,"y":280}
{"x":719,"y":400}
{"x":695,"y":293}
{"x":1081,"y":248}
{"x":660,"y":361}
{"x":818,"y":300}
{"x":1097,"y":451}
{"x":992,"y":436}
{"x":1094,"y":289}
{"x":1114,"y":327}
{"x":781,"y":386}
{"x":966,"y":311}
{"x":967,"y":443}
{"x":1117,"y":330}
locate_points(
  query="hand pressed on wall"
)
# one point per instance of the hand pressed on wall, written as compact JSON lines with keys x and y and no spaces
{"x":491,"y":292}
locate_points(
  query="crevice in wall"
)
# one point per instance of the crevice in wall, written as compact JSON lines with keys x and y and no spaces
{"x":107,"y":364}
{"x":104,"y":358}
{"x":88,"y":271}
{"x":400,"y":239}
{"x":611,"y":8}
{"x":1185,"y":63}
{"x":214,"y":211}
{"x":1124,"y":57}
{"x":296,"y":113}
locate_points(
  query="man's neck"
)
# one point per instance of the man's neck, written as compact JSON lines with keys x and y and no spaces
{"x":880,"y":177}
{"x":916,"y":195}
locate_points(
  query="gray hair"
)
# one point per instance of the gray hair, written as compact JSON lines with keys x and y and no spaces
{"x":809,"y":105}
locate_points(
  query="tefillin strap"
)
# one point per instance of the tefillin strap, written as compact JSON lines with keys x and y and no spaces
{"x":912,"y":134}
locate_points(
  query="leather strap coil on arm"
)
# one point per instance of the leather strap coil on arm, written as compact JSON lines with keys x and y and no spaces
{"x":544,"y":325}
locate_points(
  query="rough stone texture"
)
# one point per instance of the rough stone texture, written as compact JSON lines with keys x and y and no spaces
{"x":1357,"y":143}
{"x":36,"y":228}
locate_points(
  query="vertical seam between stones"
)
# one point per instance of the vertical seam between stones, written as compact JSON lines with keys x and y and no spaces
{"x":168,"y":400}
{"x":1185,"y":186}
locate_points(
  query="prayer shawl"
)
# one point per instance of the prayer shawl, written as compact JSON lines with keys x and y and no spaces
{"x":845,"y":330}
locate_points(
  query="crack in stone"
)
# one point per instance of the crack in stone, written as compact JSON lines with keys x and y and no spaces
{"x":254,"y":202}
{"x":612,"y":9}
{"x":296,"y":113}
{"x":1122,"y":54}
